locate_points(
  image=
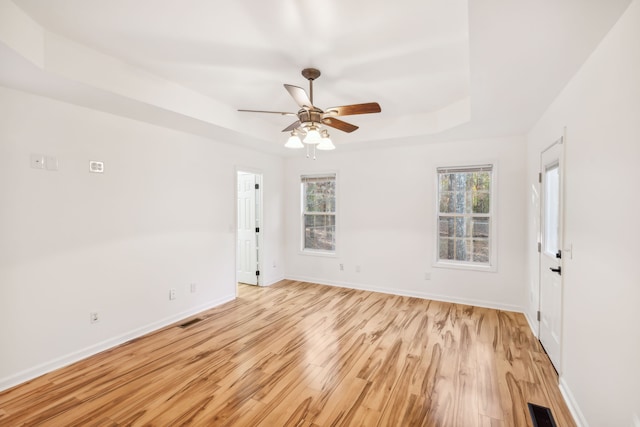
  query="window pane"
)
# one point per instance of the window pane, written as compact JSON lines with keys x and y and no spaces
{"x":446,"y":226}
{"x":481,"y":202}
{"x":320,"y":196}
{"x":446,"y":182}
{"x":480,"y":227}
{"x":460,"y":200}
{"x":551,"y":210}
{"x":446,"y":201}
{"x":484,"y":181}
{"x":446,"y":249}
{"x":463,"y":249}
{"x":481,"y":251}
{"x":319,"y":232}
{"x":462,"y":228}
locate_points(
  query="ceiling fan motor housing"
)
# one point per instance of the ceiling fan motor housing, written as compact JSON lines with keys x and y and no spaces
{"x":307,"y":117}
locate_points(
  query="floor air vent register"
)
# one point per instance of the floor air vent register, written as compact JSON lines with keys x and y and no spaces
{"x":541,"y":416}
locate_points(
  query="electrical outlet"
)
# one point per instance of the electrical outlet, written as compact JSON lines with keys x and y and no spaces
{"x":427,"y":276}
{"x":193,"y":288}
{"x":172,"y":294}
{"x":94,"y":318}
{"x":341,"y":267}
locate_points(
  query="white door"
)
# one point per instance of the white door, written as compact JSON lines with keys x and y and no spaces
{"x":551,"y":252}
{"x":247,"y":256}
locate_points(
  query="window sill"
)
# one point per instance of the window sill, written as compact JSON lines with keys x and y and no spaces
{"x":310,"y":252}
{"x":490,"y":268}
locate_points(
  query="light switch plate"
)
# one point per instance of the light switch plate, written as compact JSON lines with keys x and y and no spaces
{"x":37,"y":161}
{"x":96,"y":166}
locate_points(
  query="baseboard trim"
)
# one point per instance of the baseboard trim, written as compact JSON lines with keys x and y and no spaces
{"x":573,"y":406}
{"x":273,"y":281}
{"x":66,"y":360}
{"x":532,"y":324}
{"x":423,"y":295}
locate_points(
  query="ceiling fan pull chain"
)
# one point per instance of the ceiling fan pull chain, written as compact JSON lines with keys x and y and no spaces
{"x":314,"y":151}
{"x":307,"y":150}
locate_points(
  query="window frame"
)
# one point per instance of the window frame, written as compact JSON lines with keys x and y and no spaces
{"x":492,"y":265}
{"x":303,"y":213}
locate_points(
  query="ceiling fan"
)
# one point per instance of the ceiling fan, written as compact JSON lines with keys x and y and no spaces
{"x":311,"y":118}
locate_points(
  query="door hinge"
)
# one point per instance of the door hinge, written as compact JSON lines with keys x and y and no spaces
{"x":257,"y":272}
{"x":257,"y":229}
{"x":540,"y":177}
{"x":539,"y":247}
{"x":257,"y":186}
{"x":538,"y":315}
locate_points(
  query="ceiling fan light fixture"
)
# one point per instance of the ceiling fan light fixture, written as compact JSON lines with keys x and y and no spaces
{"x":325,"y":142}
{"x":313,"y":136}
{"x":294,"y":141}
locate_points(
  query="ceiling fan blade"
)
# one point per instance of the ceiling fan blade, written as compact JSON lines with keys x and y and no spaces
{"x":299,"y":95}
{"x":292,"y":126}
{"x":282,"y":113}
{"x":350,"y":110}
{"x":339,"y":124}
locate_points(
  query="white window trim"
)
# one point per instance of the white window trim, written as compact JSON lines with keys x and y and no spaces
{"x":316,"y":252}
{"x":493,"y":246}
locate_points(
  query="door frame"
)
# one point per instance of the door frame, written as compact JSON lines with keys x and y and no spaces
{"x":561,"y":164}
{"x":259,"y":214}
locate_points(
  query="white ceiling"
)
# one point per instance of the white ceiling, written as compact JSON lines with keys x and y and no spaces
{"x":506,"y":59}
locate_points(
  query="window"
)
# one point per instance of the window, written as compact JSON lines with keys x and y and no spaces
{"x":319,"y":212}
{"x":464,"y":215}
{"x":552,"y":209}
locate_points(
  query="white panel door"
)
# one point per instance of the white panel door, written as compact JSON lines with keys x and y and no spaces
{"x":551,"y":253}
{"x":247,"y":258}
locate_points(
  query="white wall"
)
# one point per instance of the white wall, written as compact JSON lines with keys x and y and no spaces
{"x":161,"y":216}
{"x":387,"y":226}
{"x":600,"y":107}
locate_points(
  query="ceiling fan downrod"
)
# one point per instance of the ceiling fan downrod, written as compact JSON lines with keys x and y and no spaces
{"x":311,"y":74}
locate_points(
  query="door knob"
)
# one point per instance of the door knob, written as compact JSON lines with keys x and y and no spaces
{"x":556,"y":270}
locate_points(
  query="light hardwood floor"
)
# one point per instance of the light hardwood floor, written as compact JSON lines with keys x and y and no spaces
{"x":300,"y":354}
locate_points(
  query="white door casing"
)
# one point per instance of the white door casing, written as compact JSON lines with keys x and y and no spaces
{"x":247,"y":257}
{"x":551,"y":226}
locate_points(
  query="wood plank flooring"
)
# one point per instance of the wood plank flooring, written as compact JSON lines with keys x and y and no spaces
{"x":301,"y":354}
